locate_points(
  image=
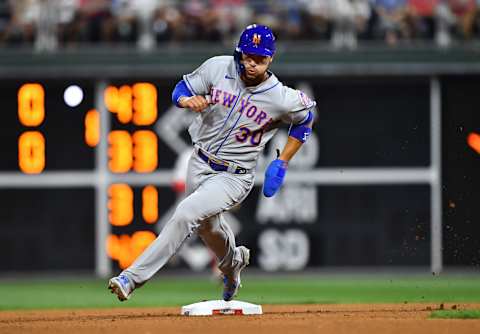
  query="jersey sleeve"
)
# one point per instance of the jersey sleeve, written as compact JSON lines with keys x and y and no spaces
{"x":200,"y":80}
{"x":297,"y":105}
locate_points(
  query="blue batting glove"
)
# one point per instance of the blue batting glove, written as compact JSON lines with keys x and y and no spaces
{"x":274,"y":176}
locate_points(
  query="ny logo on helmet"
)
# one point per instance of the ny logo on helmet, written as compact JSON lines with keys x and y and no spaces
{"x":256,"y":39}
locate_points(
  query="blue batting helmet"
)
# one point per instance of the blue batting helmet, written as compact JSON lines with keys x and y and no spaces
{"x":255,"y":39}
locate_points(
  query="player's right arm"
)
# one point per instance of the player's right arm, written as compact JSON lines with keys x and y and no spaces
{"x":182,"y":97}
{"x":196,"y":103}
{"x":191,"y":92}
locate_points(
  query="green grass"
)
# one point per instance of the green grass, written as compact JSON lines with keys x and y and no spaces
{"x":41,"y":294}
{"x":450,"y":314}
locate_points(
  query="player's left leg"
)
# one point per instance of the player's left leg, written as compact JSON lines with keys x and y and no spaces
{"x":219,"y":237}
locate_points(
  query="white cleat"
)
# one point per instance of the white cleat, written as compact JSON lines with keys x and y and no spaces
{"x":232,"y":283}
{"x":121,"y":286}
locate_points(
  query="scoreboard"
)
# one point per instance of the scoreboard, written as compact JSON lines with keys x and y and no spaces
{"x":39,"y":127}
{"x":51,"y":144}
{"x":44,"y":110}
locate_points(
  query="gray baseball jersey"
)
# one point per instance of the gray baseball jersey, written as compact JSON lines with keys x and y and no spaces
{"x":234,"y":128}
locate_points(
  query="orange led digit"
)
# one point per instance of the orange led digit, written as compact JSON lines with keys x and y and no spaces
{"x":126,"y":249}
{"x":144,"y":103}
{"x":138,"y":102}
{"x":150,"y":204}
{"x":145,"y":151}
{"x":112,"y":246}
{"x":473,"y":141}
{"x":92,"y":128}
{"x":110,"y":97}
{"x":120,"y":151}
{"x":140,"y":241}
{"x":115,"y":246}
{"x":31,"y":104}
{"x":119,"y":101}
{"x":120,"y":204}
{"x":118,"y":248}
{"x":125,"y":256}
{"x":31,"y":152}
{"x":124,"y":106}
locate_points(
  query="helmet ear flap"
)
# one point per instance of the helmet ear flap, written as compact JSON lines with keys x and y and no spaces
{"x":237,"y":56}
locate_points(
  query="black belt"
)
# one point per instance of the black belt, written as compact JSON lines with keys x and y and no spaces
{"x":219,"y":165}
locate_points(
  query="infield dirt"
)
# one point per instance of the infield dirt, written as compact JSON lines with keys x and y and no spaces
{"x":335,"y":318}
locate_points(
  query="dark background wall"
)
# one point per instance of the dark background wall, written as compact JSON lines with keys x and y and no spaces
{"x":461,"y":170}
{"x":370,"y":121}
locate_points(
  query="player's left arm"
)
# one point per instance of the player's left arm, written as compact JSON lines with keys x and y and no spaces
{"x":297,"y":135}
{"x":277,"y":169}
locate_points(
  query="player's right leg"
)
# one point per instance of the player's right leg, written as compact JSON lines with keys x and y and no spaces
{"x":180,"y":226}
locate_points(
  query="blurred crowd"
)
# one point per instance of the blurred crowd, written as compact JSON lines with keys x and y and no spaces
{"x":49,"y":24}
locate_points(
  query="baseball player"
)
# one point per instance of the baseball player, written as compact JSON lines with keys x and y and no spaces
{"x":239,"y":104}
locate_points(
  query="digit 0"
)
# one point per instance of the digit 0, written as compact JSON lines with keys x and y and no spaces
{"x":256,"y":137}
{"x":31,"y":152}
{"x":31,"y":104}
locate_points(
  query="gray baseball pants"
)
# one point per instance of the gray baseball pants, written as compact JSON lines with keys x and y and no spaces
{"x":209,"y":194}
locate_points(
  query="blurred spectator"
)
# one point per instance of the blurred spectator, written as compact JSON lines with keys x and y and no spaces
{"x":464,"y":12}
{"x":392,"y":20}
{"x":126,"y":25}
{"x":444,"y":20}
{"x":264,"y":13}
{"x":167,"y":23}
{"x":46,"y":38}
{"x":422,"y":16}
{"x":23,"y":20}
{"x":477,"y":19}
{"x":145,"y":10}
{"x":350,"y":17}
{"x":230,"y":17}
{"x":319,"y":17}
{"x":146,"y":21}
{"x":200,"y":21}
{"x":95,"y":20}
{"x":4,"y":15}
{"x":290,"y":14}
{"x":67,"y":28}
